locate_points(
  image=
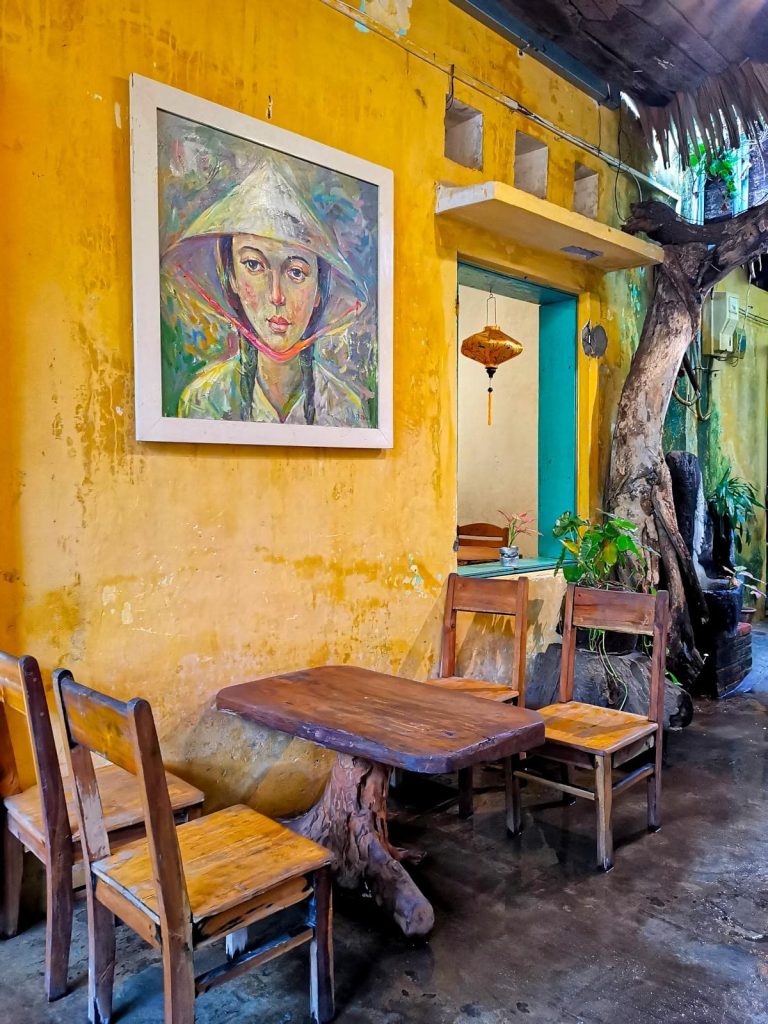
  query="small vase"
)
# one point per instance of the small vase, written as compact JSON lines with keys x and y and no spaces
{"x":509,"y":556}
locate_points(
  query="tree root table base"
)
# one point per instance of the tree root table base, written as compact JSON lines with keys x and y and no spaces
{"x":350,"y":820}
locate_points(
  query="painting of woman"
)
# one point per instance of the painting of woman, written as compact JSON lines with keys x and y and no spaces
{"x":270,"y":272}
{"x":283,"y":285}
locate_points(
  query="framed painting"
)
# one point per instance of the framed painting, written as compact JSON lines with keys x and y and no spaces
{"x":262,"y":281}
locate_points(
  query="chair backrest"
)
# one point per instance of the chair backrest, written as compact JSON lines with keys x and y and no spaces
{"x":491,"y":597}
{"x":24,"y":692}
{"x":481,"y":535}
{"x":617,"y":611}
{"x":125,"y":735}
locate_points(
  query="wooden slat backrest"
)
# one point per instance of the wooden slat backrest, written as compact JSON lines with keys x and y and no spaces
{"x":98,"y":722}
{"x":485,"y":535}
{"x":9,"y":773}
{"x":10,"y":683}
{"x":23,"y":691}
{"x":46,"y":758}
{"x":125,"y":734}
{"x":491,"y":597}
{"x":618,"y":612}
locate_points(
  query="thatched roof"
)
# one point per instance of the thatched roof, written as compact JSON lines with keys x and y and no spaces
{"x":698,"y":67}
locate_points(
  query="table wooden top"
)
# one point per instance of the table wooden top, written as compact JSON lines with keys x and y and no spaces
{"x":470,"y":553}
{"x":387,"y":719}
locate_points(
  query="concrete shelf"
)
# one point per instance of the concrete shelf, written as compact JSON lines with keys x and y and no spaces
{"x":526,"y":219}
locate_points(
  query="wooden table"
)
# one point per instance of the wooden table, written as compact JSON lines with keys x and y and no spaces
{"x":476,"y":553}
{"x":378,"y":722}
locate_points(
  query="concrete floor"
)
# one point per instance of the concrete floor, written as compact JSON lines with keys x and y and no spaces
{"x":526,"y":930}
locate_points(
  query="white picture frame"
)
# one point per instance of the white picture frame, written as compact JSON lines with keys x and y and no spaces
{"x":344,"y":415}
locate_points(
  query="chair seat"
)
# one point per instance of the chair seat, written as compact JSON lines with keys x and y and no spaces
{"x":228,"y":858}
{"x":476,"y":687}
{"x":593,"y":729}
{"x":120,"y":797}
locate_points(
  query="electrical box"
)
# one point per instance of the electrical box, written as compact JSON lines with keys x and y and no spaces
{"x":721,"y":315}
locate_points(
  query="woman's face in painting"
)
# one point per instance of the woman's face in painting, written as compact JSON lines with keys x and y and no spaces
{"x":277,"y":284}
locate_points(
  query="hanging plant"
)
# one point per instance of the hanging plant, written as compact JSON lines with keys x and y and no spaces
{"x":720,"y":168}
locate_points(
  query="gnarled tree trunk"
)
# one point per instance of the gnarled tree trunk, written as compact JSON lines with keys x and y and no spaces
{"x":638,"y":485}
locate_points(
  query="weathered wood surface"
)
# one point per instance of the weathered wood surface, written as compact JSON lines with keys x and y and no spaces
{"x":614,"y":610}
{"x":468,"y":554}
{"x":482,"y":535}
{"x":377,"y":722}
{"x":386,"y":719}
{"x":227,"y":858}
{"x":595,"y":730}
{"x":350,"y":820}
{"x":620,"y":681}
{"x":120,"y":797}
{"x":475,"y":687}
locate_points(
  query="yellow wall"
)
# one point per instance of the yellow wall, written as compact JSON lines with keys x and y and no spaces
{"x":498,"y":464}
{"x":171,"y":570}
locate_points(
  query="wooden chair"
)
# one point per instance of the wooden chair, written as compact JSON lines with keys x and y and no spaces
{"x":481,"y":535}
{"x":479,"y":542}
{"x":185,"y":887}
{"x":43,"y":820}
{"x":601,"y":739}
{"x":492,"y":597}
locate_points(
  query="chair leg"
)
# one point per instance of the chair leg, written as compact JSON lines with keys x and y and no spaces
{"x":565,"y":778}
{"x":654,"y":789}
{"x":514,"y":810}
{"x":101,"y":961}
{"x":466,"y":793}
{"x":178,"y":981}
{"x":322,"y":1003}
{"x":58,"y":932}
{"x":13,"y":870}
{"x":604,"y":807}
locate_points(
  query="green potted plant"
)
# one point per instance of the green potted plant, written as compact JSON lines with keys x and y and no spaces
{"x":753,"y":589}
{"x":732,"y":505}
{"x":720,"y":183}
{"x":518,"y":524}
{"x":591,"y":555}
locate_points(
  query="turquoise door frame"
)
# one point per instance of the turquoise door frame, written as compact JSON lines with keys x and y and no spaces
{"x":557,"y":417}
{"x":557,"y":433}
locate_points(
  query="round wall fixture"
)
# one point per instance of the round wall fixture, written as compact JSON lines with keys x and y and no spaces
{"x":594,"y":340}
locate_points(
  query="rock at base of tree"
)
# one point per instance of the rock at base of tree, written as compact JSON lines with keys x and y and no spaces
{"x":615,"y":681}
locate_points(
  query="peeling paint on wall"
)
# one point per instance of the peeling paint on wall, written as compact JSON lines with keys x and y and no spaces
{"x":392,"y":14}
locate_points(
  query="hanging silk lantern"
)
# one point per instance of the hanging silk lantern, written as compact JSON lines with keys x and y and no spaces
{"x":491,"y":347}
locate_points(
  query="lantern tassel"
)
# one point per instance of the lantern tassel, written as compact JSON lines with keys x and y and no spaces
{"x":490,"y":370}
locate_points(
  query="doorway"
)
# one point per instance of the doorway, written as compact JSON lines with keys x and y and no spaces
{"x":525,"y":460}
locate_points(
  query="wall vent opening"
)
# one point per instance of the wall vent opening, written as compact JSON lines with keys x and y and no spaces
{"x":531,"y":164}
{"x":464,"y":134}
{"x":586,"y":185}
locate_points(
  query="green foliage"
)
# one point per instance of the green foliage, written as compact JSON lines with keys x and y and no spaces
{"x":592,"y":552}
{"x":734,"y":500}
{"x":721,"y":167}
